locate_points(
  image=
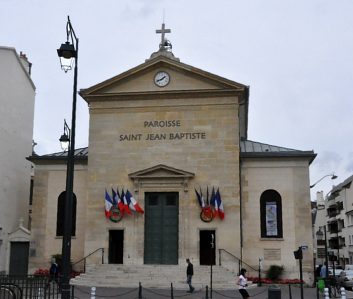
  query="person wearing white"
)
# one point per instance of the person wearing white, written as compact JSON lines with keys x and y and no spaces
{"x":243,"y":283}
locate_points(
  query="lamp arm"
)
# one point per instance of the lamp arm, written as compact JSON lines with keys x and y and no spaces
{"x":70,"y":31}
{"x":313,"y":185}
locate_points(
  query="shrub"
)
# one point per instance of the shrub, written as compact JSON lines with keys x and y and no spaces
{"x":275,"y":272}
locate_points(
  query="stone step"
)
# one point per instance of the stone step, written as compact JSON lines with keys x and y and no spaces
{"x":154,"y":276}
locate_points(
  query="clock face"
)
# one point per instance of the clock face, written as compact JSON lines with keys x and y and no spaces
{"x":161,"y":79}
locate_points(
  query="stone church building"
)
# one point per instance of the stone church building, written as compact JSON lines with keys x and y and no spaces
{"x":161,"y":130}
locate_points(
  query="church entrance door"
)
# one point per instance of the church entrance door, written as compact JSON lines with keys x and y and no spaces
{"x":207,"y":252}
{"x":19,"y":258}
{"x":161,"y":228}
{"x":116,"y":247}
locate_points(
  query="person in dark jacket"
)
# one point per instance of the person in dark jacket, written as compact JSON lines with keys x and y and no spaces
{"x":189,"y":274}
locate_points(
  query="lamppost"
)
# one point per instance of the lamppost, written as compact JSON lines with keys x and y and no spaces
{"x":211,"y":260}
{"x":320,"y":235}
{"x":68,"y":54}
{"x":260,"y":267}
{"x":332,"y":175}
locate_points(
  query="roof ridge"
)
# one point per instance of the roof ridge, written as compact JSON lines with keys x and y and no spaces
{"x":291,"y":149}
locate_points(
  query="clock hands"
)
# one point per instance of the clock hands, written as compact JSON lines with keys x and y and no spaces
{"x":160,"y":79}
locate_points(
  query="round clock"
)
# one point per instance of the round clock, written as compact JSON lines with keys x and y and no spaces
{"x":161,"y":79}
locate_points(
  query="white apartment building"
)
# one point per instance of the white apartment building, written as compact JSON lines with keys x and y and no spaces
{"x":17,"y":94}
{"x":335,"y":212}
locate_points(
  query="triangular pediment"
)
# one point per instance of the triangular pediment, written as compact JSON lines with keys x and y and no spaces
{"x":21,"y":234}
{"x":140,"y":79}
{"x":161,"y":171}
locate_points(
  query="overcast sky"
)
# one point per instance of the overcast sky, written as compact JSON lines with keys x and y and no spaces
{"x":296,"y":56}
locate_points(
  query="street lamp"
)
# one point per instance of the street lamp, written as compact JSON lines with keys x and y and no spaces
{"x":65,"y":137}
{"x":211,"y":260}
{"x":68,"y":54}
{"x":332,"y":175}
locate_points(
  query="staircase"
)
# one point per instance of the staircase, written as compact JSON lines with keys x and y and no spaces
{"x":155,"y":276}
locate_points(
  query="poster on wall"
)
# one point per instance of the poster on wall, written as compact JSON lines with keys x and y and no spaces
{"x":271,"y":218}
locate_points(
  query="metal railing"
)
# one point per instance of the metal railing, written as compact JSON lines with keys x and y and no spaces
{"x":84,"y":259}
{"x":30,"y":287}
{"x":238,"y":261}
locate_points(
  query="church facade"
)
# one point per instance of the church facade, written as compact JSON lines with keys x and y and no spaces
{"x":161,"y":131}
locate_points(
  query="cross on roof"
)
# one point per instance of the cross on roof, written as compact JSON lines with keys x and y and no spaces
{"x":163,"y":31}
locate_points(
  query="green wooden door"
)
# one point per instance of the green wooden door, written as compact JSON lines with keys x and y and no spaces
{"x":161,"y":228}
{"x":19,"y":258}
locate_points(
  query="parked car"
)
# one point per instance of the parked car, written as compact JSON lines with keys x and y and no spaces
{"x":348,"y":267}
{"x":345,"y":279}
{"x":338,"y":270}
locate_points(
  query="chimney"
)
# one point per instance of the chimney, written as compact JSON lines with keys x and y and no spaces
{"x":24,"y":60}
{"x":320,"y":200}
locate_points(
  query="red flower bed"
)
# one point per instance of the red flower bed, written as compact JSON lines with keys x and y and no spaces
{"x":279,"y":281}
{"x":45,"y":272}
{"x":41,"y":272}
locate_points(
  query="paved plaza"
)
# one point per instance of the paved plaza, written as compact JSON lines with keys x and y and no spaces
{"x":150,"y":293}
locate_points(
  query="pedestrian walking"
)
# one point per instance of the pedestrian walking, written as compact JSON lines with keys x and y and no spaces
{"x":189,"y":274}
{"x":54,"y":271}
{"x":243,"y":283}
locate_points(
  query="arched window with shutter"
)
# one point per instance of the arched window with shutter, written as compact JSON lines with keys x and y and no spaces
{"x":271,"y":214}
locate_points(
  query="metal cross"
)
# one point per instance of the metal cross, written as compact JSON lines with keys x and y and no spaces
{"x":163,"y":31}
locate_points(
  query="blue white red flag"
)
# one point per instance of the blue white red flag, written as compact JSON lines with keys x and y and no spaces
{"x":205,"y":206}
{"x":207,"y":198}
{"x":114,"y":200}
{"x":133,"y":204}
{"x":108,"y":204}
{"x":219,"y":204}
{"x":200,"y":198}
{"x":213,"y":203}
{"x":126,"y":204}
{"x":119,"y":201}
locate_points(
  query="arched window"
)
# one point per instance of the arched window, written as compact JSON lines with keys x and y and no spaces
{"x":271,"y":214}
{"x":60,"y":214}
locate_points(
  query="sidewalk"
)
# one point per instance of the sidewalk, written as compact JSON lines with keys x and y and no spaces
{"x":149,"y":293}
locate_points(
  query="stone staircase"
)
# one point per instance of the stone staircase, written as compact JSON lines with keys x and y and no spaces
{"x":155,"y":276}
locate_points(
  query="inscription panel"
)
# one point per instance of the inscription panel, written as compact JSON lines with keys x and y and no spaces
{"x":161,"y":124}
{"x":272,"y":254}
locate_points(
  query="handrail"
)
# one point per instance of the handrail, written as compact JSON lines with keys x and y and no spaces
{"x":88,"y":255}
{"x":231,"y":254}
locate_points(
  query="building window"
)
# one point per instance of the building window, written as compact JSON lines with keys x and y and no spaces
{"x":60,"y":215}
{"x":271,"y":214}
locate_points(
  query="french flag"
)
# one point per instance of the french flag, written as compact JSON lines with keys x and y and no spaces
{"x":213,"y":203}
{"x":200,"y":198}
{"x":219,"y":204}
{"x":114,"y":199}
{"x":126,"y":204}
{"x":119,"y":201}
{"x":108,"y":204}
{"x":205,"y":208}
{"x":133,"y":203}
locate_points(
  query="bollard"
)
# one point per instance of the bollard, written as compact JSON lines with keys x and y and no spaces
{"x":326,"y":296}
{"x":171,"y":291}
{"x":40,"y":293}
{"x":317,"y":291}
{"x":206,"y":292}
{"x":274,"y":292}
{"x":343,"y":293}
{"x":93,"y":292}
{"x":140,"y":290}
